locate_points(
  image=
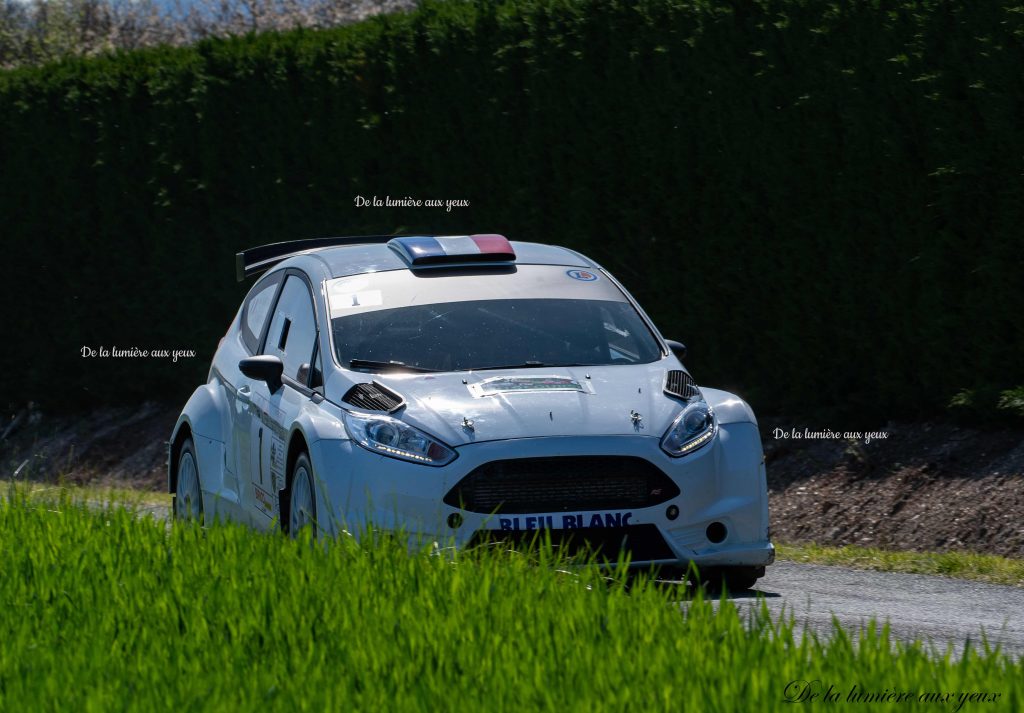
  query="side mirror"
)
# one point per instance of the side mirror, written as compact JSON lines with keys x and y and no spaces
{"x":265,"y":368}
{"x":678,"y":348}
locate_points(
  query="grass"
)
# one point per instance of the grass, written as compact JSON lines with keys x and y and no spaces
{"x":962,"y":565}
{"x":104,"y":610}
{"x":99,"y":494}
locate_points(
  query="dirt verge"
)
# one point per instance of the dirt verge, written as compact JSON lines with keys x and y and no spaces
{"x":115,"y":446}
{"x":934,"y":487}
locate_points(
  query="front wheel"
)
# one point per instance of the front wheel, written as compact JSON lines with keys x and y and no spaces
{"x":188,"y":497}
{"x":301,"y":497}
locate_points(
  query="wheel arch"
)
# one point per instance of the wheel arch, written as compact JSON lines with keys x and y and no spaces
{"x":298,"y":443}
{"x":729,"y":408}
{"x":181,"y":432}
{"x":205,"y":416}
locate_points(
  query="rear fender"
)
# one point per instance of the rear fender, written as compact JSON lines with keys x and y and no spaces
{"x":207,"y":419}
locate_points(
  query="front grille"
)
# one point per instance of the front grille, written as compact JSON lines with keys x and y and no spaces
{"x":562,"y":484}
{"x":679,"y":383}
{"x":372,"y":396}
{"x":642,"y":543}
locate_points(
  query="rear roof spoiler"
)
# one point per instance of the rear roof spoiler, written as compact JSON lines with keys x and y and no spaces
{"x":259,"y":259}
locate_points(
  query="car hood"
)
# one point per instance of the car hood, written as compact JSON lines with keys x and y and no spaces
{"x":468,"y":407}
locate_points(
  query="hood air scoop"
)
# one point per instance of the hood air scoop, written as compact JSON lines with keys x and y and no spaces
{"x":679,"y":383}
{"x":373,"y":397}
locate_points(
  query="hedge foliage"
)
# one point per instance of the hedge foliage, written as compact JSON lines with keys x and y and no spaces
{"x":823,"y":200}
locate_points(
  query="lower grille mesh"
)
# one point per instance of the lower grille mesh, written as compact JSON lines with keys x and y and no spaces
{"x":562,"y":484}
{"x":642,"y":543}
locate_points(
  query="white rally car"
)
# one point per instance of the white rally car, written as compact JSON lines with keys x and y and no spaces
{"x":463,"y":389}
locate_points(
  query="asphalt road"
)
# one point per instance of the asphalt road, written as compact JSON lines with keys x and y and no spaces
{"x":937,"y":610}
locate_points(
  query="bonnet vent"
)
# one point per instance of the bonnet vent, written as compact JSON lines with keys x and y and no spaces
{"x":679,"y":383}
{"x":373,"y":397}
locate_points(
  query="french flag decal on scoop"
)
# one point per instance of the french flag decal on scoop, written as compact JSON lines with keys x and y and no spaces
{"x":439,"y":250}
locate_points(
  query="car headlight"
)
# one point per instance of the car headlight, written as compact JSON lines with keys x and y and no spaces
{"x":391,"y":437}
{"x":693,"y":428}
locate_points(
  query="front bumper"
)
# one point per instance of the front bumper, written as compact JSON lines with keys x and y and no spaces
{"x":722,"y":487}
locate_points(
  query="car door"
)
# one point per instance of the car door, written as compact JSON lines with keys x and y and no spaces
{"x":291,"y":336}
{"x":242,"y":340}
{"x":253,"y":321}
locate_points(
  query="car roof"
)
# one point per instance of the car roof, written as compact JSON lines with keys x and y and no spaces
{"x":357,"y":259}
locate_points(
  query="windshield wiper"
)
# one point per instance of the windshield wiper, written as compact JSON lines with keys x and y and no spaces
{"x":371,"y":364}
{"x":525,"y":365}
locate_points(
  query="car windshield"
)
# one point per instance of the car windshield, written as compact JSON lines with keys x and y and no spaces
{"x":503,"y":328}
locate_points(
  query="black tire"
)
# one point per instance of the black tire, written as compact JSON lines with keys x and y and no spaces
{"x":300,"y":498}
{"x":188,"y":492}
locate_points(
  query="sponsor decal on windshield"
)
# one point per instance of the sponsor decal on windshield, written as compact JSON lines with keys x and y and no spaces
{"x":582,"y":275}
{"x":351,"y":300}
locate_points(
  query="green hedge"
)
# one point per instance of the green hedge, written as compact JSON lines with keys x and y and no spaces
{"x":823,"y":200}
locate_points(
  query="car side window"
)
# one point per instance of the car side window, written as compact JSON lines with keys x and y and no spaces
{"x":292,"y":333}
{"x":316,"y":379}
{"x":254,"y":312}
{"x":313,"y":377}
